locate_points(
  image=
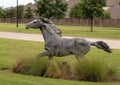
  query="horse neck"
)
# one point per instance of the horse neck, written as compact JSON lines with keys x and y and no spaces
{"x":56,"y":29}
{"x":49,"y":35}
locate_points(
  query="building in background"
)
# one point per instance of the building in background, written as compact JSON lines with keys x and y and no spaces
{"x":112,"y":6}
{"x":32,"y":6}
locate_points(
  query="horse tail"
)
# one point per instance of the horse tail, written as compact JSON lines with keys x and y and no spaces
{"x":101,"y":45}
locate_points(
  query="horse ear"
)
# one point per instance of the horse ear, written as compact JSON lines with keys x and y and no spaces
{"x":46,"y":19}
{"x":38,"y":17}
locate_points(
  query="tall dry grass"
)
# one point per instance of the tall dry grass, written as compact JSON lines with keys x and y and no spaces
{"x":93,"y":69}
{"x":88,"y":69}
{"x":31,"y":66}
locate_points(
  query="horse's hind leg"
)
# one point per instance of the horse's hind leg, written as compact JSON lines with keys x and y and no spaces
{"x":46,"y":53}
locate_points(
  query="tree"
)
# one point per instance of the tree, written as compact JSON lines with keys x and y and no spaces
{"x":51,"y":8}
{"x":28,"y":13}
{"x":76,"y":11}
{"x":20,"y":12}
{"x":0,"y":12}
{"x":91,"y":9}
{"x":10,"y":13}
{"x":59,"y":9}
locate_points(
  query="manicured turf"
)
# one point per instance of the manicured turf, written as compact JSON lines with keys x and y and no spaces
{"x":7,"y":78}
{"x":11,"y":50}
{"x":80,"y":31}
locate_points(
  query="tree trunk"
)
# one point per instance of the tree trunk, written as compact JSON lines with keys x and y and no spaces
{"x":4,"y":19}
{"x":11,"y":19}
{"x":91,"y":20}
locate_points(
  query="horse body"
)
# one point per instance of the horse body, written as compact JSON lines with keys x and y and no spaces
{"x":55,"y":45}
{"x":65,"y":47}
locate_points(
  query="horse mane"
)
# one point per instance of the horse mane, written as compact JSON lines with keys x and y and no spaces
{"x":46,"y":20}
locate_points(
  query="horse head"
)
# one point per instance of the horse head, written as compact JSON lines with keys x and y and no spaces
{"x":37,"y":23}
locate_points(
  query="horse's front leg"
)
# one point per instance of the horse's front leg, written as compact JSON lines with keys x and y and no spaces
{"x":79,"y":56}
{"x":46,"y":53}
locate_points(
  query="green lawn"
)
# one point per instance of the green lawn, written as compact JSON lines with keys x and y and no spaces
{"x":11,"y":50}
{"x":7,"y":78}
{"x":81,"y":31}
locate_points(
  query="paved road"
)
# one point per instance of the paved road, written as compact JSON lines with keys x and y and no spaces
{"x":113,"y":43}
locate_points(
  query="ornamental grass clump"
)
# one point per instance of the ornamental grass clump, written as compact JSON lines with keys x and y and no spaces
{"x":93,"y":69}
{"x":87,"y":69}
{"x":31,"y":66}
{"x":60,"y":70}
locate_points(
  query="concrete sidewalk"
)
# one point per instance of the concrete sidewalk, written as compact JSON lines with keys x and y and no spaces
{"x":113,"y":43}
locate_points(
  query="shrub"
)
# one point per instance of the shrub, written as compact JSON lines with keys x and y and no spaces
{"x":53,"y":70}
{"x":31,"y":66}
{"x":93,"y":70}
{"x":59,"y":70}
{"x":42,"y":67}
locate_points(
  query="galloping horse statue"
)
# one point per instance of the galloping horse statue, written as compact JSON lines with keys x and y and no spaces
{"x":55,"y":45}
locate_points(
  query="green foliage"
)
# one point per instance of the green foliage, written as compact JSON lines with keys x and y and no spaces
{"x":51,"y":8}
{"x":93,"y":70}
{"x":0,"y":11}
{"x":89,"y":9}
{"x":20,"y":11}
{"x":92,"y":8}
{"x":10,"y":12}
{"x":44,"y":8}
{"x":31,"y":66}
{"x":105,"y":15}
{"x":76,"y":11}
{"x":28,"y":13}
{"x":59,"y":9}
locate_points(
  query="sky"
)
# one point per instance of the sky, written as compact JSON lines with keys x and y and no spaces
{"x":9,"y":3}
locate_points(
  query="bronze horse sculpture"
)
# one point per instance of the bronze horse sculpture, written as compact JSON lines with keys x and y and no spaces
{"x":55,"y":45}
